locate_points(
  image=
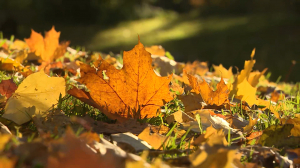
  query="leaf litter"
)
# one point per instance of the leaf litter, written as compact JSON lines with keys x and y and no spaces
{"x":62,"y":107}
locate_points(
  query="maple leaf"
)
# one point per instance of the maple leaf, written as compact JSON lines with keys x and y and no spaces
{"x":134,"y":91}
{"x":47,"y":48}
{"x":223,"y":72}
{"x":210,"y":97}
{"x":247,"y":68}
{"x":245,"y":92}
{"x":35,"y":95}
{"x":244,"y":84}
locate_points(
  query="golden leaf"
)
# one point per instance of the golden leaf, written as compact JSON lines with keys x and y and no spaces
{"x":134,"y":91}
{"x":34,"y":96}
{"x":47,"y":48}
{"x":222,"y":72}
{"x":210,"y":97}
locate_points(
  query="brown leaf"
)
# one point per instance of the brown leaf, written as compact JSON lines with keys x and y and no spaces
{"x":134,"y":91}
{"x":275,"y":96}
{"x":7,"y":88}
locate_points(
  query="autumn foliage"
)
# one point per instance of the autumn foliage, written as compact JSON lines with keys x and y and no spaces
{"x":61,"y":107}
{"x":134,"y":91}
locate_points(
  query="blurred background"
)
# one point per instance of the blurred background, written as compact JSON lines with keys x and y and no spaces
{"x":217,"y":31}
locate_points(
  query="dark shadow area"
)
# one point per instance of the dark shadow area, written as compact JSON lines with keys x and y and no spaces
{"x":215,"y":31}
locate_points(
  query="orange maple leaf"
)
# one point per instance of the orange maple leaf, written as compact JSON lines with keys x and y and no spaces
{"x":47,"y":48}
{"x":210,"y":97}
{"x":134,"y":91}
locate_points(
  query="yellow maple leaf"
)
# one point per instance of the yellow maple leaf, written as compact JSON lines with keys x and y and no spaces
{"x":245,"y":92}
{"x":34,"y":96}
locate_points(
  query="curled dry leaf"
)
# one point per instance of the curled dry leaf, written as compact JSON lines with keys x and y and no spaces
{"x":34,"y":96}
{"x":249,"y":128}
{"x":134,"y":91}
{"x":47,"y":48}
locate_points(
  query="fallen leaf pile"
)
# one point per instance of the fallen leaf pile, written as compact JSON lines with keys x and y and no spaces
{"x":61,"y":107}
